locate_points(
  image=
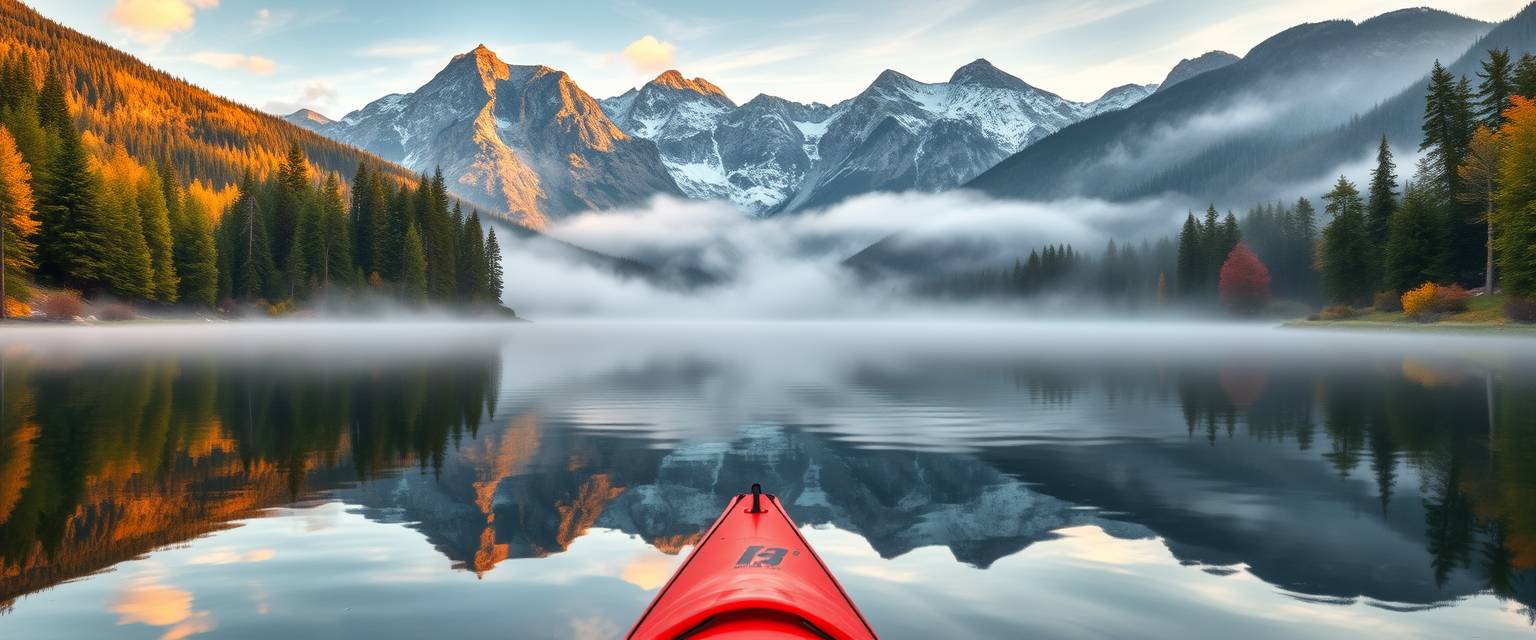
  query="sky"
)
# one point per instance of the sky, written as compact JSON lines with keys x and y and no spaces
{"x":336,"y":56}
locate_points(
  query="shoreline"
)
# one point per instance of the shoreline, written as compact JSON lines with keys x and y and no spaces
{"x":1449,"y":327}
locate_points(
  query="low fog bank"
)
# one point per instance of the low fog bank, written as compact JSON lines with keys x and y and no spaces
{"x":794,"y":266}
{"x":703,"y":380}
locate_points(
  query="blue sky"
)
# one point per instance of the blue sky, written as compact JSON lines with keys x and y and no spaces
{"x":335,"y":56}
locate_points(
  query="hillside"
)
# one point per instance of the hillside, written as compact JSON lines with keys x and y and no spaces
{"x":155,"y":115}
{"x":1212,"y":136}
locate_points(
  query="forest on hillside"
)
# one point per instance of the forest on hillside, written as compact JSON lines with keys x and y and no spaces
{"x":1463,"y":224}
{"x":84,"y":216}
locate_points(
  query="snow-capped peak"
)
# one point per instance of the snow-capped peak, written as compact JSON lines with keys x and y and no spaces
{"x":982,"y":73}
{"x":675,"y":80}
{"x":308,"y":118}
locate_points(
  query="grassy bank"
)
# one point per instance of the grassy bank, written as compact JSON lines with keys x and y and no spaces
{"x":1484,"y":314}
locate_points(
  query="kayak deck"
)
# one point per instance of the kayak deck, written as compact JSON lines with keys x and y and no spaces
{"x":752,"y":576}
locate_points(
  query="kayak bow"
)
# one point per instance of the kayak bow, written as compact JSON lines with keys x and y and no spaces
{"x":752,"y":576}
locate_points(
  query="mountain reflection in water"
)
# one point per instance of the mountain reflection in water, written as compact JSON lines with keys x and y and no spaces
{"x":1330,"y":472}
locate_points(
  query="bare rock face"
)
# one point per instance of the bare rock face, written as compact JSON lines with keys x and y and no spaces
{"x":521,"y":140}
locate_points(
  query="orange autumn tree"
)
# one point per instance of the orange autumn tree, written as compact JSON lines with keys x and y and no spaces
{"x":1514,"y":206}
{"x":17,"y":226}
{"x":1244,"y":285}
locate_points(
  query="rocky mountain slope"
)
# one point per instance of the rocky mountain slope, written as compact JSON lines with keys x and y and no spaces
{"x":524,"y":140}
{"x":899,"y":134}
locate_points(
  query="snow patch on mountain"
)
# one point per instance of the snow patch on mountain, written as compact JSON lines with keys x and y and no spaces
{"x":771,"y":154}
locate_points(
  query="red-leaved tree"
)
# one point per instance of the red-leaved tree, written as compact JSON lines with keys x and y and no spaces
{"x":1244,"y":286}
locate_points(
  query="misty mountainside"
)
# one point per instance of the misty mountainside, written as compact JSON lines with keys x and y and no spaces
{"x":1212,"y":135}
{"x":1400,"y":118}
{"x":899,"y":134}
{"x":523,"y":141}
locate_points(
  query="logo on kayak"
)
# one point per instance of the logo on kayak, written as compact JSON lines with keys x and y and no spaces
{"x":760,"y":556}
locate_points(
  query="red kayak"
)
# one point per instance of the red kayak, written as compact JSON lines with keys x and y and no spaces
{"x":752,"y":576}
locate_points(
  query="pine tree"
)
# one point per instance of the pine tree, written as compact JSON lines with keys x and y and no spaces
{"x":19,"y":114}
{"x":361,"y":224}
{"x":154,"y":216}
{"x":440,"y":236}
{"x":337,"y":254}
{"x":250,"y":253}
{"x":53,"y":106}
{"x":494,"y":278}
{"x":1524,"y":83}
{"x":1413,"y":249}
{"x":472,"y":262}
{"x":1231,"y":235}
{"x":1348,"y":272}
{"x":414,"y":268}
{"x":308,"y":253}
{"x":1495,"y":89}
{"x":73,"y":244}
{"x":292,"y":196}
{"x":1449,"y":123}
{"x":129,"y":267}
{"x":1303,"y":245}
{"x":1191,"y":269}
{"x":1382,"y":198}
{"x":18,"y":224}
{"x":193,"y":250}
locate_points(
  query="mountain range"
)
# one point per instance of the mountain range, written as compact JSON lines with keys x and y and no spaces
{"x":1218,"y":126}
{"x":528,"y":141}
{"x":899,"y":134}
{"x":1213,"y":136}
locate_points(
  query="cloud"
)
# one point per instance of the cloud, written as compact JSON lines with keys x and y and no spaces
{"x":150,"y":603}
{"x":224,"y":60}
{"x":152,"y":21}
{"x":792,"y":266}
{"x":650,"y":54}
{"x":317,"y":95}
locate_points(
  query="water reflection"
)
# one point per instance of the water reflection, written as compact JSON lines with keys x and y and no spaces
{"x":1390,"y":479}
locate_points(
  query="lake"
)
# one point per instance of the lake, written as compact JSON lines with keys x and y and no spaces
{"x":966,"y":479}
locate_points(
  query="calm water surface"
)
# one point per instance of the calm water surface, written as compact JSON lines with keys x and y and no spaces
{"x":962,"y":480}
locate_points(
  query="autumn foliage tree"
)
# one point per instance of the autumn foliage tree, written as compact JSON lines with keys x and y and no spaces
{"x":17,"y":225}
{"x":1244,"y":285}
{"x":1512,"y":217}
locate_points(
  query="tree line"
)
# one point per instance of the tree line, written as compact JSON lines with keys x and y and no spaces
{"x":83,"y":214}
{"x":1463,"y":219}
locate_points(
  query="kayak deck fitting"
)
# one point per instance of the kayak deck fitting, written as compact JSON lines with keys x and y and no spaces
{"x":752,"y":576}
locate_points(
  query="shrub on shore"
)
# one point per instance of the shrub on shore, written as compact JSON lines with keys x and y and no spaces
{"x":1339,"y":312}
{"x":1420,"y":302}
{"x":1520,"y":309}
{"x":62,"y":305}
{"x":1388,"y":302}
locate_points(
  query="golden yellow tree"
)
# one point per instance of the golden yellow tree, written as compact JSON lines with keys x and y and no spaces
{"x":1479,"y":172}
{"x":17,"y":225}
